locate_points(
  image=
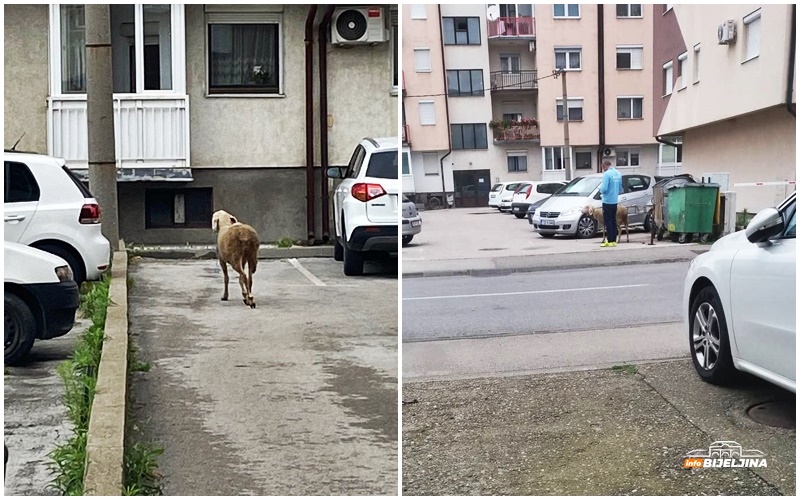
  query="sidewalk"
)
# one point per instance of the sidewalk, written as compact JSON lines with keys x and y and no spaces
{"x":485,"y":242}
{"x":192,"y":251}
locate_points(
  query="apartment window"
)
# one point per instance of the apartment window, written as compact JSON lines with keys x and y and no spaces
{"x":683,"y":70}
{"x":697,"y":63}
{"x":629,"y":57}
{"x":629,"y":108}
{"x":627,"y":157}
{"x":243,"y":55}
{"x":465,"y":82}
{"x":427,"y":113}
{"x":667,"y":78}
{"x":752,"y":35}
{"x":430,"y":163}
{"x":73,"y":49}
{"x":568,"y":58}
{"x":517,"y":162}
{"x":178,"y":208}
{"x":509,"y":63}
{"x":514,"y":10}
{"x":422,"y":60}
{"x":553,"y":158}
{"x":583,"y":159}
{"x":671,"y":155}
{"x":629,"y":10}
{"x":566,"y":10}
{"x":406,"y":164}
{"x":469,"y":136}
{"x":419,"y":11}
{"x":512,"y":117}
{"x":575,"y":109}
{"x":461,"y":30}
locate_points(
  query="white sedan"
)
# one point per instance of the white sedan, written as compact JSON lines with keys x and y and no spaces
{"x":739,"y":302}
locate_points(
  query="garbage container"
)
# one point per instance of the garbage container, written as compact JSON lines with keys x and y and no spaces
{"x":690,"y":210}
{"x":660,"y":203}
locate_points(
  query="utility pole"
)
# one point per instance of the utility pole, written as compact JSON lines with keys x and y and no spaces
{"x":566,"y":155}
{"x":100,"y":118}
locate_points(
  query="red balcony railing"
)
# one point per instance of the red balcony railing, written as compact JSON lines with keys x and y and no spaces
{"x":524,"y":27}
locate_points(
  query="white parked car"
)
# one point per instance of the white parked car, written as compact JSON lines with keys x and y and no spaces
{"x":48,"y":208}
{"x":500,"y":190}
{"x":507,"y":196}
{"x":535,"y":191}
{"x":562,"y":213}
{"x":365,"y":204}
{"x":39,"y":296}
{"x":739,"y":302}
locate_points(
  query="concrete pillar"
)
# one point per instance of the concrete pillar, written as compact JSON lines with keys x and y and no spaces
{"x":100,"y":117}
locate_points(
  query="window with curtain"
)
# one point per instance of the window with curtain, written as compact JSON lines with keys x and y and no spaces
{"x":553,"y":158}
{"x":568,"y":58}
{"x":566,"y":10}
{"x":73,"y":49}
{"x":629,"y":108}
{"x":517,"y":162}
{"x":243,"y":58}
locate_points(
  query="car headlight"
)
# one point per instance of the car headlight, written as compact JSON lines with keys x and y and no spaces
{"x":571,"y":211}
{"x":64,"y":273}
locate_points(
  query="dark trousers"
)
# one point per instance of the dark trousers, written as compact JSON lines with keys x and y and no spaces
{"x":610,"y":221}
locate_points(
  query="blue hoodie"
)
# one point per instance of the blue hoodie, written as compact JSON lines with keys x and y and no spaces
{"x":611,"y":187}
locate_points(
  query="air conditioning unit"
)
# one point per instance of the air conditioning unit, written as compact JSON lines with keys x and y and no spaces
{"x":726,"y":32}
{"x":609,"y":152}
{"x":359,"y":26}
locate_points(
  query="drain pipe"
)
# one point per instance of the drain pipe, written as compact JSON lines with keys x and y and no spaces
{"x":662,"y":141}
{"x":601,"y":84}
{"x":323,"y":116}
{"x":447,"y":113}
{"x":790,"y":78}
{"x":309,"y":41}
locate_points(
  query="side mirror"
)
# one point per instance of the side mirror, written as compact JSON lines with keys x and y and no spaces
{"x":335,"y":172}
{"x":598,"y":196}
{"x":765,"y":225}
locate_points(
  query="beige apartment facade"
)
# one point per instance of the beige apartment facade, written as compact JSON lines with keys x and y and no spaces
{"x":210,"y":108}
{"x":728,"y":87}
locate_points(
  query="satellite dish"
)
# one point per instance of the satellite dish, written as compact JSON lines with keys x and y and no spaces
{"x":492,"y":12}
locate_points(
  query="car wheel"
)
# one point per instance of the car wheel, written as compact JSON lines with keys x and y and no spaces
{"x":338,"y":251}
{"x":78,"y":273}
{"x":353,"y":262}
{"x":587,"y":227}
{"x":407,"y":239}
{"x":649,"y":221}
{"x":708,"y":339}
{"x":20,"y":329}
{"x":519,"y":216}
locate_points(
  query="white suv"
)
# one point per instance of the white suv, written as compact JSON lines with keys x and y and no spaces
{"x":47,"y":207}
{"x":365,"y":205}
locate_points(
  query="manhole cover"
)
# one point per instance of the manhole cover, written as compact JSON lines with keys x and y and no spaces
{"x":774,"y":413}
{"x":491,"y":249}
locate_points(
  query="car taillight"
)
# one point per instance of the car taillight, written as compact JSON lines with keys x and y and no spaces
{"x":528,"y":192}
{"x":365,"y":192}
{"x":90,"y":214}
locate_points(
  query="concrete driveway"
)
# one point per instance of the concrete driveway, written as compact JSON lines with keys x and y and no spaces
{"x":295,"y":397}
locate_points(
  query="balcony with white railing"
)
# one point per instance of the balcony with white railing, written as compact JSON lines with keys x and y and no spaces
{"x":512,"y":27}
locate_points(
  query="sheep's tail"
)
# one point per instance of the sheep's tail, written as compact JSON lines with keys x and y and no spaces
{"x":250,"y":254}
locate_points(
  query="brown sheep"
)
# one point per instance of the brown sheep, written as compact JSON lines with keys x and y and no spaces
{"x":237,"y":245}
{"x":622,"y":220}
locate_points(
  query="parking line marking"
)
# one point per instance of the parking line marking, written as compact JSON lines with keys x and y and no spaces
{"x":501,"y":294}
{"x":305,"y":272}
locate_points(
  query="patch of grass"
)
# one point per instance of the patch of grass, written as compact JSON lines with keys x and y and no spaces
{"x":743,"y":218}
{"x":141,"y":477}
{"x":629,"y":369}
{"x":79,"y":374}
{"x":285,"y":243}
{"x":140,"y":366}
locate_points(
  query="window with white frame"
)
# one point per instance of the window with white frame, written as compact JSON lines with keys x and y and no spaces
{"x":630,"y":108}
{"x":422,"y":60}
{"x":627,"y":157}
{"x":667,"y":88}
{"x":574,"y":107}
{"x":73,"y":49}
{"x":566,"y":10}
{"x":427,"y":113}
{"x":406,"y":163}
{"x":418,"y":11}
{"x":517,"y":161}
{"x":512,"y":117}
{"x":553,"y":158}
{"x":670,"y":156}
{"x":630,"y":56}
{"x":568,"y":58}
{"x":244,"y":53}
{"x":629,"y":10}
{"x":683,"y":70}
{"x":509,"y":63}
{"x":430,"y":163}
{"x":752,"y":35}
{"x":696,"y":63}
{"x":516,"y":10}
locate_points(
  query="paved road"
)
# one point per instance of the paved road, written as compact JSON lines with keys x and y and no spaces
{"x":567,"y":300}
{"x":298,"y":396}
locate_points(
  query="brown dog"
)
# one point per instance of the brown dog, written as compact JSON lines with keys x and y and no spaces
{"x":237,"y":245}
{"x":622,"y":220}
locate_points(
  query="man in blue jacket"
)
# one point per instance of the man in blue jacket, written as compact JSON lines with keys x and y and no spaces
{"x":610,"y":190}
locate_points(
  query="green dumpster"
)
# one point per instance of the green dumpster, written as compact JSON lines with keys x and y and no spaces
{"x":691,"y":209}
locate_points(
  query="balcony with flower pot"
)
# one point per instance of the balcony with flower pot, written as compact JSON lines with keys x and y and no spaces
{"x":514,"y":131}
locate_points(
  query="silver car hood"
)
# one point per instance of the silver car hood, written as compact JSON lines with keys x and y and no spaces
{"x":564,"y":203}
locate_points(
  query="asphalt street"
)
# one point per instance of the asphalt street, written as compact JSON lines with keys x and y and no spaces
{"x":295,"y":397}
{"x":613,"y":297}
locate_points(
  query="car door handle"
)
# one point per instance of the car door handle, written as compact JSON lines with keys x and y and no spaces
{"x":14,"y":218}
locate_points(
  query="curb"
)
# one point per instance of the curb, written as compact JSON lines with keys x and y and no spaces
{"x":105,"y":437}
{"x":210,"y":252}
{"x":483,"y":273}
